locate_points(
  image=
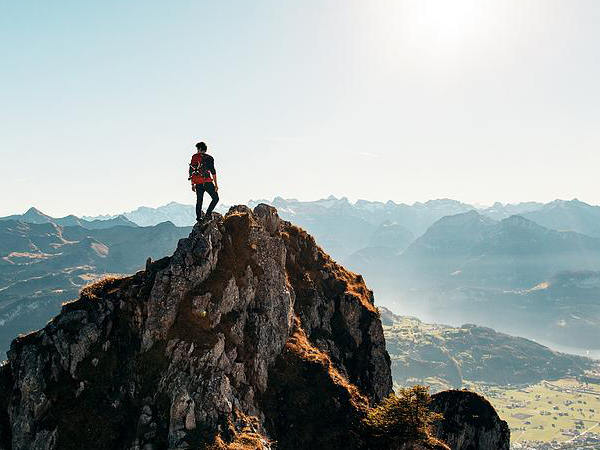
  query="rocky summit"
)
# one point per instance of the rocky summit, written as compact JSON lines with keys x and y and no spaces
{"x":248,"y":337}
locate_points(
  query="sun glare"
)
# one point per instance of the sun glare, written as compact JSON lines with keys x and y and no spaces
{"x":434,"y":31}
{"x":448,"y":23}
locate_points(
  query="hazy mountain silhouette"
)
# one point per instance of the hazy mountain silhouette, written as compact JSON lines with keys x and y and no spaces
{"x":35,"y":216}
{"x":570,"y":215}
{"x":507,"y":274}
{"x":514,"y":253}
{"x":391,"y":235}
{"x":386,"y":242}
{"x":339,"y":226}
{"x":179,"y":214}
{"x":344,"y":228}
{"x":499,"y":211}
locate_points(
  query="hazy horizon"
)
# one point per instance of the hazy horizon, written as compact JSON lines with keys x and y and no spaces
{"x":481,"y":101}
{"x":221,"y":204}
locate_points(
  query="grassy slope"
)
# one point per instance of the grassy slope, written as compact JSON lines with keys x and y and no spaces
{"x":450,"y":356}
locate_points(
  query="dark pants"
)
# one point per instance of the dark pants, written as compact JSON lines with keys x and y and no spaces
{"x":210,"y":189}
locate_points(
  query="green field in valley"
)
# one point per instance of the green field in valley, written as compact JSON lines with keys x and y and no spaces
{"x":557,"y":410}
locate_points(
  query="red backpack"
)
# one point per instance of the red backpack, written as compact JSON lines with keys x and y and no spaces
{"x":198,"y":174}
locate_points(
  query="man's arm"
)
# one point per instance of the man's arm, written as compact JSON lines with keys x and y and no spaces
{"x":190,"y":169}
{"x":214,"y":173}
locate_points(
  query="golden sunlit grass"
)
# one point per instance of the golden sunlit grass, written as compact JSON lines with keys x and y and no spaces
{"x":245,"y":437}
{"x":299,"y":344}
{"x":242,"y":441}
{"x":92,"y":291}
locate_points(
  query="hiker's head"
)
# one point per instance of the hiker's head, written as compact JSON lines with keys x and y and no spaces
{"x":201,"y":147}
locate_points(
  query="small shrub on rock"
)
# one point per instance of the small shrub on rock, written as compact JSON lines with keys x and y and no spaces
{"x":402,"y":417}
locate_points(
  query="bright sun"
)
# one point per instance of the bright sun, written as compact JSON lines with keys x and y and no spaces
{"x":435,"y":29}
{"x":447,"y":22}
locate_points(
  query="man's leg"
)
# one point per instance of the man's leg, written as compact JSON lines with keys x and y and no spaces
{"x":199,"y":197}
{"x":210,"y":188}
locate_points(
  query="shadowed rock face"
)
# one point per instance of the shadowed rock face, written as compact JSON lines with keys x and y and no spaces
{"x":470,"y":422}
{"x":200,"y":348}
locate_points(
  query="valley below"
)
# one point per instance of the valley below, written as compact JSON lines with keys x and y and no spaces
{"x":545,"y":396}
{"x":566,"y":411}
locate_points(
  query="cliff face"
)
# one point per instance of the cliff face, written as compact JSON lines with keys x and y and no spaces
{"x":470,"y":422}
{"x":181,"y":354}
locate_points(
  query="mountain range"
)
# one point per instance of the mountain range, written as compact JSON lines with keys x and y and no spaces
{"x":568,"y":216}
{"x":511,"y":274}
{"x":35,"y":216}
{"x":343,"y":227}
{"x":45,"y":264}
{"x":473,"y":250}
{"x":443,"y":260}
{"x":177,"y":213}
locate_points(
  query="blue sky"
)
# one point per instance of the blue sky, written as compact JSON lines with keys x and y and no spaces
{"x":478,"y":100}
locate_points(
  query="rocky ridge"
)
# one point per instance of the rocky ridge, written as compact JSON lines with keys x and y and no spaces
{"x":249,"y":336}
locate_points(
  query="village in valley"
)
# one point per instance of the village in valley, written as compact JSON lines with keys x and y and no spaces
{"x":558,"y":415}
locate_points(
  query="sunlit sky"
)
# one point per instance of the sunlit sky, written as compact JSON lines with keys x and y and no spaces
{"x":477,"y":100}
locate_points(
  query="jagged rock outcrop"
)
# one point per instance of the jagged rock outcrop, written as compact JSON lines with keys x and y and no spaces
{"x":248,"y":337}
{"x":213,"y":344}
{"x":470,"y":422}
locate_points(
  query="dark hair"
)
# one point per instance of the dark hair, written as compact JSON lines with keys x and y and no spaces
{"x":201,"y":146}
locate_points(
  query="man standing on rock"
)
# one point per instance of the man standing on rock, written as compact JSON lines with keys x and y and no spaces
{"x":204,"y":179}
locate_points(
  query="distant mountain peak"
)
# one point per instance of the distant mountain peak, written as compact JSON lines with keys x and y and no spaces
{"x":444,"y":201}
{"x":34,"y":215}
{"x":567,"y":203}
{"x":33,"y":211}
{"x":517,"y":219}
{"x":517,"y":222}
{"x":467,"y":216}
{"x":279,"y":199}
